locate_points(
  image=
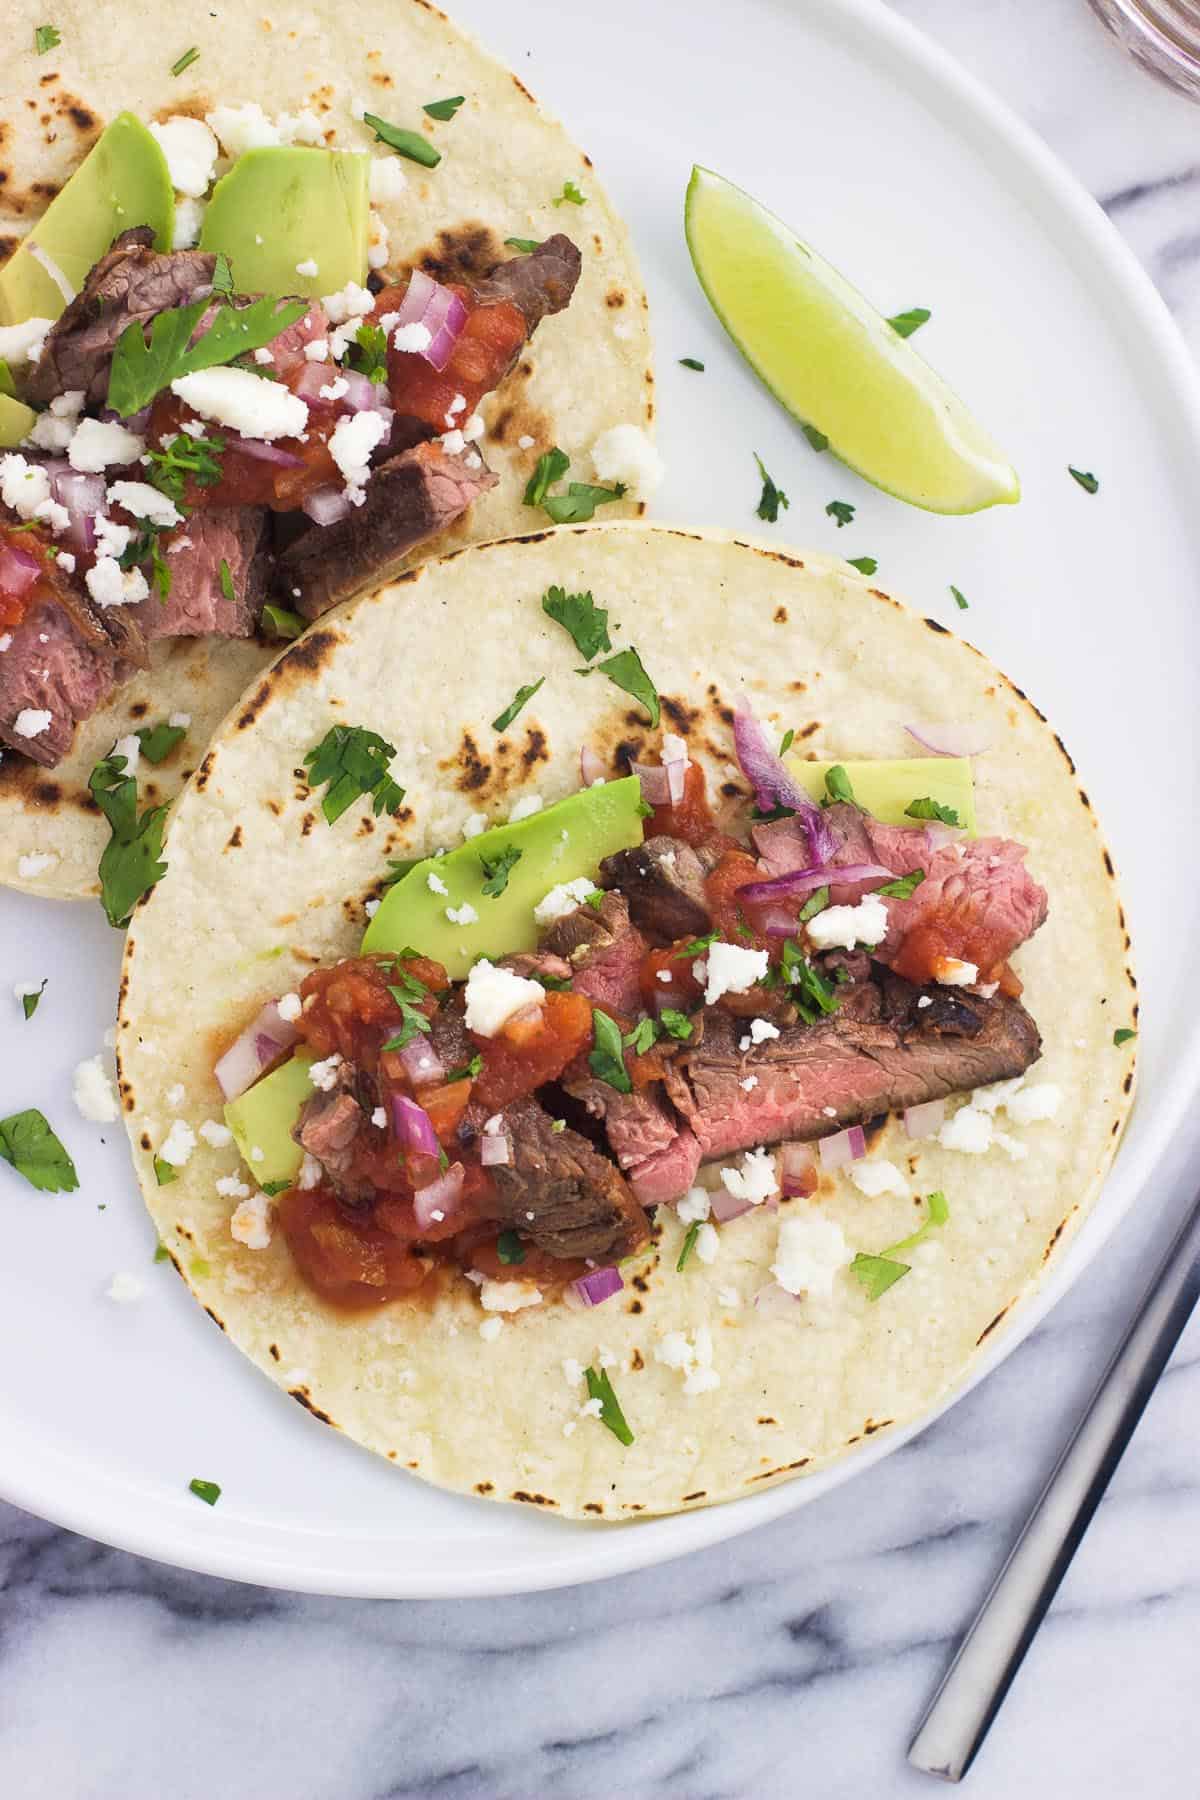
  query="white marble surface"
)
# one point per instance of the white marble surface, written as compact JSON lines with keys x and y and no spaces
{"x":795,"y":1660}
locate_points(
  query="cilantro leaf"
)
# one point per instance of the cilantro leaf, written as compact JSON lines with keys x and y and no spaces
{"x":817,"y":901}
{"x":878,"y":1273}
{"x":932,"y":809}
{"x":690,"y":362}
{"x":164,"y":1172}
{"x":960,"y":599}
{"x":842,"y":511}
{"x":903,"y":886}
{"x":905,"y":323}
{"x":601,"y":1388}
{"x":607,"y":1060}
{"x":272,"y":1188}
{"x":140,"y":370}
{"x":786,"y":741}
{"x":45,"y":37}
{"x":625,"y":671}
{"x":412,"y":1019}
{"x":552,"y":465}
{"x":29,"y":1002}
{"x":1120,"y":1037}
{"x":689,"y":1244}
{"x":129,"y":863}
{"x":161,"y":1253}
{"x":698,"y":945}
{"x":580,"y":617}
{"x":816,"y":438}
{"x":369,"y":352}
{"x":676,"y":1023}
{"x":523,"y":694}
{"x":196,"y":457}
{"x":1087,"y":481}
{"x":939,"y":1212}
{"x":527,"y":246}
{"x":813,"y":994}
{"x":227,"y":587}
{"x":570,"y":194}
{"x":282,"y":623}
{"x":443,"y":109}
{"x":222,"y":281}
{"x":418,"y":149}
{"x":351,"y":761}
{"x":498,"y":868}
{"x":580,"y":501}
{"x":468,"y":1071}
{"x":509,"y":1248}
{"x":27,"y":1142}
{"x":185,"y":61}
{"x":837,"y":784}
{"x":771,"y":498}
{"x":866,"y":565}
{"x":158,"y":741}
{"x":208,"y":1491}
{"x":643,"y":1036}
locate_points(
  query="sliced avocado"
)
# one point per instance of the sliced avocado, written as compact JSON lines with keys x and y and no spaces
{"x":288,"y":206}
{"x":7,"y":385}
{"x":561,"y":843}
{"x":262,"y":1119}
{"x":16,"y":422}
{"x":121,"y":182}
{"x":884,"y":789}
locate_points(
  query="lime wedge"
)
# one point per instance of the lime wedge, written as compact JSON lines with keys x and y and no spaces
{"x":834,"y":362}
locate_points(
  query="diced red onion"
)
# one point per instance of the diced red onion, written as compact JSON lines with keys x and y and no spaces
{"x":655,"y":786}
{"x":441,"y":1196}
{"x":83,"y":497}
{"x":422,"y":1064}
{"x":949,"y":740}
{"x":312,"y":378}
{"x":591,"y":766}
{"x":495,"y":1151}
{"x":414,"y":1127}
{"x":19,"y":570}
{"x":270,"y":453}
{"x":263,"y":1042}
{"x":326,"y":506}
{"x":804,"y":881}
{"x":53,"y":271}
{"x":772,"y":784}
{"x":925,"y":1120}
{"x":676,"y":763}
{"x":798,"y":1170}
{"x":843,"y":1147}
{"x":137,"y":421}
{"x":725,"y":1206}
{"x":441,"y":312}
{"x":598,"y":1285}
{"x":364,"y":395}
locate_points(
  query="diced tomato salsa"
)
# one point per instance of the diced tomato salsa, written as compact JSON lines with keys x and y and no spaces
{"x":690,"y":818}
{"x":490,"y":339}
{"x":20,"y":585}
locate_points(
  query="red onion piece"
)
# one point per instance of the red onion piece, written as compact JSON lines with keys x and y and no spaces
{"x":773,"y":786}
{"x":798,"y":1170}
{"x":263,"y":1042}
{"x":591,"y":766}
{"x":725,"y":1206}
{"x":83,"y":497}
{"x":422,"y":1064}
{"x":949,"y":740}
{"x":440,"y":1196}
{"x":803,"y":881}
{"x":364,"y":395}
{"x":495,"y":1151}
{"x":414,"y":1127}
{"x":19,"y":570}
{"x":312,"y":378}
{"x":843,"y":1147}
{"x":655,"y":787}
{"x":598,"y":1285}
{"x":270,"y":453}
{"x":440,"y":311}
{"x":326,"y":506}
{"x":925,"y":1120}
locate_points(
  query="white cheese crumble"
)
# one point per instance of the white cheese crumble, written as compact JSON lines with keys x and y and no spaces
{"x":308,"y":268}
{"x":244,"y":402}
{"x":525,"y":808}
{"x":111,"y":539}
{"x":841,"y":927}
{"x":491,"y":1328}
{"x":32,"y":721}
{"x":232,"y":1187}
{"x":333,"y":390}
{"x":1033,"y":1104}
{"x":876,"y":1178}
{"x":189,"y":215}
{"x":324,"y":1075}
{"x":508,"y":1296}
{"x":693,"y":1358}
{"x":693,"y":1206}
{"x":435,"y":883}
{"x":809,"y":1253}
{"x":97,"y":444}
{"x":749,"y":1084}
{"x":493,"y":995}
{"x":55,"y":516}
{"x":386,"y":180}
{"x":663,"y":975}
{"x":462,"y":915}
{"x":176,"y":1148}
{"x":317,"y":350}
{"x":350,"y":302}
{"x":110,"y":585}
{"x":624,"y":453}
{"x":19,"y":343}
{"x":562,"y":900}
{"x":251,"y":1222}
{"x":732,"y":969}
{"x":191,"y":151}
{"x":968,"y":1130}
{"x":180,"y":720}
{"x":572,"y":1371}
{"x":216,"y":1134}
{"x":452,"y":442}
{"x":354,"y":437}
{"x":24,"y":486}
{"x":951,"y":972}
{"x":414,"y":338}
{"x":311,"y":1173}
{"x":728,"y":1296}
{"x":708,"y":1243}
{"x":759,"y":1032}
{"x":379,"y":1119}
{"x":131,"y":749}
{"x":525,"y":442}
{"x":125,"y":1287}
{"x":36,"y":863}
{"x":262,"y":356}
{"x":92,"y":1091}
{"x":289,"y":1007}
{"x":755,"y":1181}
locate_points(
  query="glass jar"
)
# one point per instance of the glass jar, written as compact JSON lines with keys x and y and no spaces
{"x":1162,"y":35}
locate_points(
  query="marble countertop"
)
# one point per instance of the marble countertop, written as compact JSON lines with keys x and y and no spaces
{"x":796,"y":1659}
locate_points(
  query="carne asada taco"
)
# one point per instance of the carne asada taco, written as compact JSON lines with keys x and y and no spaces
{"x":660,"y":1053}
{"x":309,"y":297}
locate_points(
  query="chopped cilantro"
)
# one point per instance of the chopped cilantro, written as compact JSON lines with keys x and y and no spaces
{"x":272,"y":1188}
{"x":842,"y":511}
{"x":369,"y":352}
{"x":282,"y":623}
{"x":552,"y":465}
{"x":786,"y":741}
{"x":939,"y":1212}
{"x":644,"y":810}
{"x":837,"y":784}
{"x":607,"y":1060}
{"x":46,"y":37}
{"x":601,"y":1388}
{"x":1120,"y":1037}
{"x":185,"y":457}
{"x":643,"y":1036}
{"x":418,"y":149}
{"x":498,"y":868}
{"x":400,"y":866}
{"x":558,"y":1124}
{"x":29,"y":1002}
{"x":164,"y":1172}
{"x":625,"y":671}
{"x":866,"y":565}
{"x":813,"y":994}
{"x":185,"y":61}
{"x":509,"y":1248}
{"x":140,"y":370}
{"x":595,"y":899}
{"x":580,"y":501}
{"x":553,"y":984}
{"x":698,"y":945}
{"x":675,"y":1023}
{"x":443,"y":109}
{"x":878,"y":1273}
{"x":523,"y":694}
{"x":129,"y":863}
{"x":526,"y":246}
{"x":227,"y":587}
{"x":161,"y":1253}
{"x":960,"y":599}
{"x":27,"y":1142}
{"x":932,"y":809}
{"x":208,"y":1491}
{"x":771,"y":498}
{"x":353,"y":761}
{"x":905,"y":323}
{"x":142,"y":548}
{"x":158,"y":741}
{"x":570,"y":195}
{"x":585,"y":623}
{"x":412,"y":1020}
{"x":689,"y":362}
{"x":689,"y":1244}
{"x":817,"y":901}
{"x":903,"y":886}
{"x":1087,"y":481}
{"x":467,"y":1071}
{"x":816,"y":438}
{"x":222,"y":281}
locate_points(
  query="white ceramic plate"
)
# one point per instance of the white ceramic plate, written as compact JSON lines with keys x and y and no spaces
{"x":925,"y":191}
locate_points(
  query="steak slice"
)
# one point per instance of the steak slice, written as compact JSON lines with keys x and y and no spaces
{"x":663,"y":882}
{"x":604,"y":950}
{"x":197,"y":604}
{"x":658,"y":1155}
{"x":69,"y":675}
{"x":409,"y":498}
{"x":132,"y":281}
{"x":580,"y":1203}
{"x":539,"y":284}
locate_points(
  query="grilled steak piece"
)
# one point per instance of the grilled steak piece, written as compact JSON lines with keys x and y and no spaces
{"x":131,"y":282}
{"x":659,"y":1155}
{"x":327,"y":1127}
{"x":663,"y":882}
{"x":409,"y":498}
{"x":197,"y":604}
{"x":540,"y":283}
{"x":581,"y":1204}
{"x":69,"y":676}
{"x":604,"y":950}
{"x":532,"y":963}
